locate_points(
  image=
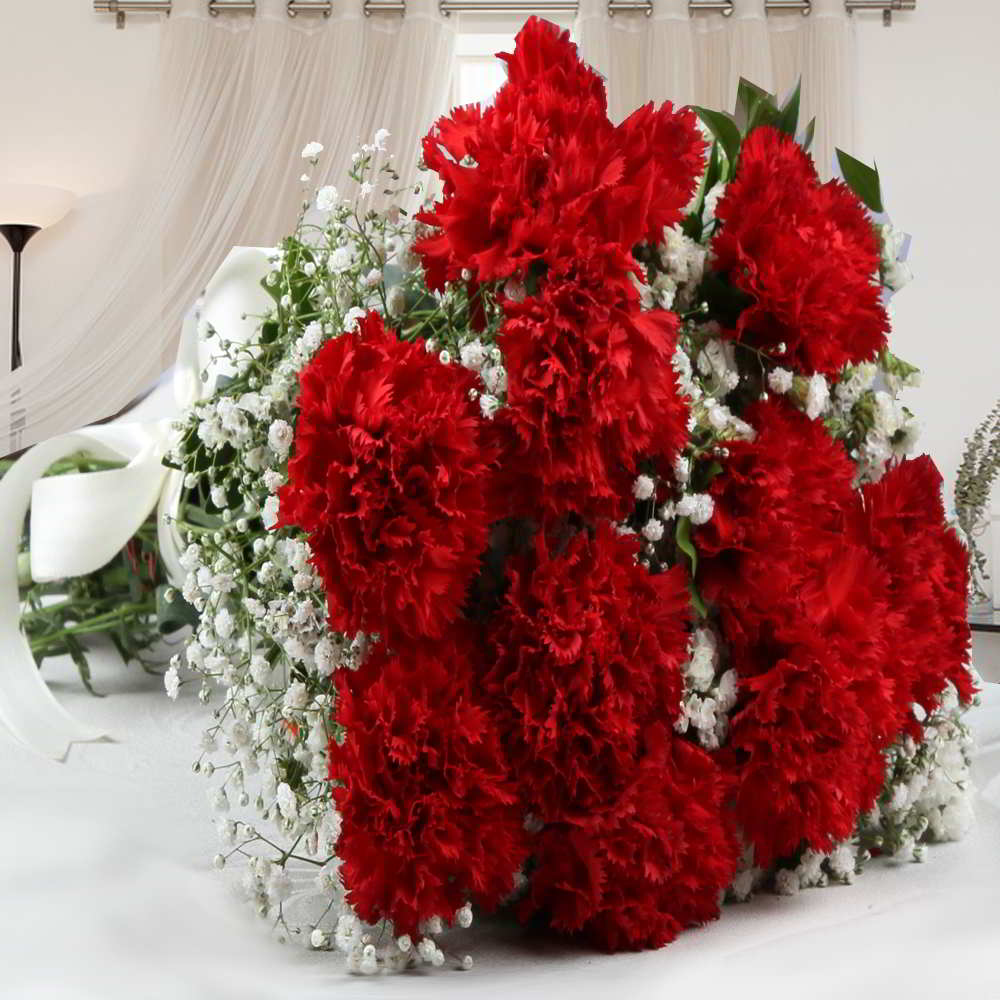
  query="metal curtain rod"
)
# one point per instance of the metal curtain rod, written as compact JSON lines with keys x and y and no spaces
{"x":325,"y":7}
{"x":724,"y":7}
{"x":215,"y":7}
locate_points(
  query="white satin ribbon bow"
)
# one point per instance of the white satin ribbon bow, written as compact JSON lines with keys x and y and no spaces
{"x":81,"y":521}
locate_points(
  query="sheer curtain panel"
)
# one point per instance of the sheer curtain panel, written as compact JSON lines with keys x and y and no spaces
{"x":699,"y":58}
{"x":235,"y":100}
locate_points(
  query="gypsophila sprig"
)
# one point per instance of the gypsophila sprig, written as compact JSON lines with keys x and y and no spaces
{"x":263,"y":651}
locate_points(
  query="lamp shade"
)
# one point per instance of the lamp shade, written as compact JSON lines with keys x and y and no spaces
{"x":33,"y":205}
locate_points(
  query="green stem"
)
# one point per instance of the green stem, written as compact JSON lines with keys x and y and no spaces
{"x":98,"y":623}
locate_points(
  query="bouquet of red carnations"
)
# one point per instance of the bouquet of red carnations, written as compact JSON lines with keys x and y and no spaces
{"x":622,"y":594}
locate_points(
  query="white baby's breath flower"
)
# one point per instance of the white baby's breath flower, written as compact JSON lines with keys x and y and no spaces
{"x":296,"y":698}
{"x":224,"y":623}
{"x":172,"y":683}
{"x":817,"y":396}
{"x":643,"y":488}
{"x":488,"y":405}
{"x":288,"y":804}
{"x":495,"y":379}
{"x":273,"y":480}
{"x":653,"y":530}
{"x":786,"y":882}
{"x":699,"y":507}
{"x":279,"y":886}
{"x":326,"y":198}
{"x":351,"y":318}
{"x":280,"y":436}
{"x":472,"y":355}
{"x":325,"y":656}
{"x":780,"y":380}
{"x":269,"y":513}
{"x":311,"y":150}
{"x":342,"y":259}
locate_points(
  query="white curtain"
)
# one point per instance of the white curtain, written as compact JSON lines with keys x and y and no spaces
{"x":698,"y":58}
{"x":236,"y":98}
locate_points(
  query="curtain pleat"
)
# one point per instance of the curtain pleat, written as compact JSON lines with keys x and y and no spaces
{"x":699,"y":57}
{"x":236,"y":98}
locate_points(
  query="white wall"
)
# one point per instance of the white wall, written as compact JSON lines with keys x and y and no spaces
{"x":72,"y":91}
{"x":930,"y":116}
{"x":72,"y":94}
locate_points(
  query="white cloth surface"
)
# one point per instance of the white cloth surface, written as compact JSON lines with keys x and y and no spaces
{"x":108,"y":892}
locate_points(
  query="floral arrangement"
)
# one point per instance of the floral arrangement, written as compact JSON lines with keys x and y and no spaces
{"x":556,"y":549}
{"x":977,"y":473}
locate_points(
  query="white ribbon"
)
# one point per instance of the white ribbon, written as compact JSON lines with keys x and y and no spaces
{"x":80,"y":522}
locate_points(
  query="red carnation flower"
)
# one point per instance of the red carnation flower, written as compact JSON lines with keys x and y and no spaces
{"x":638,"y":873}
{"x":904,"y":523}
{"x":805,"y":253}
{"x":792,"y":484}
{"x":804,"y":606}
{"x":430,"y":814}
{"x":586,"y":648}
{"x":591,"y":391}
{"x":550,"y":166}
{"x":803,"y":749}
{"x":389,"y":479}
{"x":664,"y":156}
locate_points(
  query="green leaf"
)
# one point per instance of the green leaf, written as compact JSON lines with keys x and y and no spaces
{"x":896,"y":366}
{"x":684,"y":543}
{"x":171,"y":616}
{"x":713,"y":173}
{"x":24,"y":569}
{"x":269,"y":331}
{"x":726,"y":131}
{"x":697,"y":600}
{"x":788,"y":116}
{"x":749,"y":97}
{"x":712,"y":471}
{"x":862,"y":180}
{"x":693,"y":228}
{"x":79,"y":657}
{"x":807,"y":139}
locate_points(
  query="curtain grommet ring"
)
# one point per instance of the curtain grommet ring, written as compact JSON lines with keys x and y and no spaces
{"x":646,"y":6}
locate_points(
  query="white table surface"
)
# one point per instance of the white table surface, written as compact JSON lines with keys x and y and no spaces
{"x":106,"y":891}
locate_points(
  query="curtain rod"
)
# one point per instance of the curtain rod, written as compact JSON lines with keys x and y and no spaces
{"x":215,"y":7}
{"x":325,"y":7}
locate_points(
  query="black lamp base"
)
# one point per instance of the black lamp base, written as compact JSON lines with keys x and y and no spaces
{"x":17,"y":235}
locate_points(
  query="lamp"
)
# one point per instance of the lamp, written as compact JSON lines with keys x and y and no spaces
{"x":24,"y":210}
